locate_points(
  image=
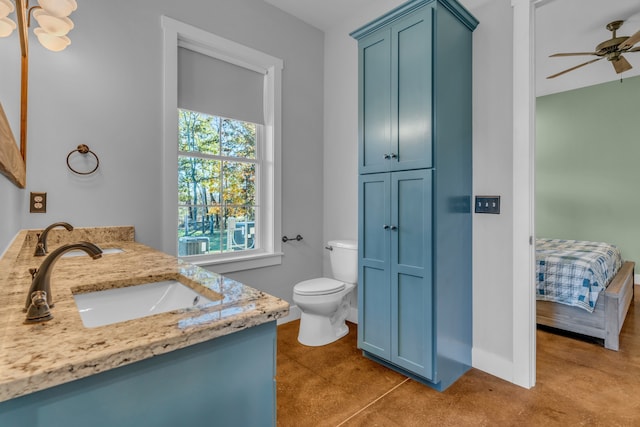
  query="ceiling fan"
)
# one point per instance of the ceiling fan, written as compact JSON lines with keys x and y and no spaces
{"x":611,"y":49}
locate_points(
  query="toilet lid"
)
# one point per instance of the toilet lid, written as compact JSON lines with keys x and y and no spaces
{"x":320,"y":286}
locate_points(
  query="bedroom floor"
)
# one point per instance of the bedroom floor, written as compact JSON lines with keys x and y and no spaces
{"x":578,"y":383}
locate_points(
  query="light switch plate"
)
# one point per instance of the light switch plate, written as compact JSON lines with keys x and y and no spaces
{"x":38,"y":202}
{"x":487,"y":204}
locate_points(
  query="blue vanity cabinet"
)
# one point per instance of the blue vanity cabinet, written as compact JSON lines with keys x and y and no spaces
{"x":227,"y":381}
{"x":415,"y":184}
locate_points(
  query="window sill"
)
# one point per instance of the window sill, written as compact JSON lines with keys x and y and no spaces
{"x":236,"y":263}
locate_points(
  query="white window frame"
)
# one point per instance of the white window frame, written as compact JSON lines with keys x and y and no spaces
{"x":178,"y":34}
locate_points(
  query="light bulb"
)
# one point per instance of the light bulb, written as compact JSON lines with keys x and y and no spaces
{"x":6,"y":7}
{"x":58,"y":8}
{"x":51,"y":24}
{"x":51,"y":42}
{"x":6,"y":27}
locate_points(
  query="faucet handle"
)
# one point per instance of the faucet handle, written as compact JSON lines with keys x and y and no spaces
{"x":40,"y":250}
{"x":38,"y":310}
{"x":33,"y":272}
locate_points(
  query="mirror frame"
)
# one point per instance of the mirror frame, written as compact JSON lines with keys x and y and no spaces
{"x":12,"y":163}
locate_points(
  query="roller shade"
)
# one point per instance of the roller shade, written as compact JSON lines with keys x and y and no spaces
{"x":216,"y":87}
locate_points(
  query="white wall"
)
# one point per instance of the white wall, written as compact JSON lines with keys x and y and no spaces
{"x":105,"y":91}
{"x":492,"y":109}
{"x":492,"y":164}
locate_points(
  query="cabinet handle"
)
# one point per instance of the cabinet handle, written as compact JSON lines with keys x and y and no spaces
{"x":387,"y":156}
{"x":394,"y":156}
{"x":386,"y":227}
{"x":393,"y":227}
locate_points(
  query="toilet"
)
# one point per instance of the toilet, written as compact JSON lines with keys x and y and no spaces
{"x":324,"y":302}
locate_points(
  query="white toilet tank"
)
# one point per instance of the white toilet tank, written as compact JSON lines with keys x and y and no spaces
{"x":344,"y":260}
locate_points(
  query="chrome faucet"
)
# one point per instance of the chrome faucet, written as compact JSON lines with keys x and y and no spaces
{"x":41,"y":246}
{"x":39,"y":299}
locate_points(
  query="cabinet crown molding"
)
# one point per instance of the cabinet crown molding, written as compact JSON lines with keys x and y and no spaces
{"x":404,"y":9}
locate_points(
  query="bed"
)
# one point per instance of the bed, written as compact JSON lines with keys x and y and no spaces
{"x":583,"y":287}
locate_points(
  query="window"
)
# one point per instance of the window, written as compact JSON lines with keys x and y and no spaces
{"x":217,"y":179}
{"x":222,"y":106}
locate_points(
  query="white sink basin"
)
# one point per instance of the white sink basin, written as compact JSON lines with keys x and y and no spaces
{"x":78,"y":252}
{"x":132,"y":302}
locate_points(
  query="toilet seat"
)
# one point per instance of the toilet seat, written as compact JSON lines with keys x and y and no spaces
{"x":319,"y":286}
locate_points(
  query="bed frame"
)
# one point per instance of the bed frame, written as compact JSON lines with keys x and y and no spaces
{"x":606,"y":319}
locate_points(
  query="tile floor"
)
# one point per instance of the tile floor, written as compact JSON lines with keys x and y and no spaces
{"x":578,"y":383}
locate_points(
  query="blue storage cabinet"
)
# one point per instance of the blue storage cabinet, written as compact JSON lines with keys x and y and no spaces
{"x":415,"y":165}
{"x":396,"y":92}
{"x":396,"y":266}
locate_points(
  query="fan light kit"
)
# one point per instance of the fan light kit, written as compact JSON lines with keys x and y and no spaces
{"x":611,"y":49}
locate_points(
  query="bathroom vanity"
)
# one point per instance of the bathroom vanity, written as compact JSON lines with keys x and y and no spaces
{"x":209,"y":364}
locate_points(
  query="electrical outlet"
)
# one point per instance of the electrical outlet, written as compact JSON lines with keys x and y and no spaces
{"x":38,"y":203}
{"x":488,"y":204}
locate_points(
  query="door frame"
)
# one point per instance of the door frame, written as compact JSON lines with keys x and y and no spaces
{"x":524,"y":303}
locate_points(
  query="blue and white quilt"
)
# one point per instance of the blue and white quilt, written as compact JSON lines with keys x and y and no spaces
{"x":573,"y":272}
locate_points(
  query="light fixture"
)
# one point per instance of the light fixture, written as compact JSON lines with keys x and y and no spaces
{"x":6,"y":26}
{"x":56,"y":26}
{"x":52,"y":16}
{"x":6,"y":7}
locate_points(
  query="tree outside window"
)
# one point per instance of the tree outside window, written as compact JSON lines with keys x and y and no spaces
{"x":217,"y":174}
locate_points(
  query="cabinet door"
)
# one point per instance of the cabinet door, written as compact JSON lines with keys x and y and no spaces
{"x":374,"y":139}
{"x":412,"y":314}
{"x":374,"y":288}
{"x":411,"y":94}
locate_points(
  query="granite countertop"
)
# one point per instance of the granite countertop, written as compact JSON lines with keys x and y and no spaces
{"x":41,"y":355}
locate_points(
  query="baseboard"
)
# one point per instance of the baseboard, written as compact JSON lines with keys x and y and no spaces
{"x":353,"y":315}
{"x":636,"y":279}
{"x":492,"y":364}
{"x":294,"y":314}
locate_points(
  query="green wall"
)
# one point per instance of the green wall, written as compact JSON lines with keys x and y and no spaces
{"x":587,"y":153}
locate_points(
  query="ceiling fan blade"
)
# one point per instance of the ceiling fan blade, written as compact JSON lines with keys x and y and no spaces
{"x":621,"y":64}
{"x":630,"y":41}
{"x":572,"y":54}
{"x":635,"y":49}
{"x":574,"y":68}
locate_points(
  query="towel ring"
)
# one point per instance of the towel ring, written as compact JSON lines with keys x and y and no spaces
{"x":83,"y":149}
